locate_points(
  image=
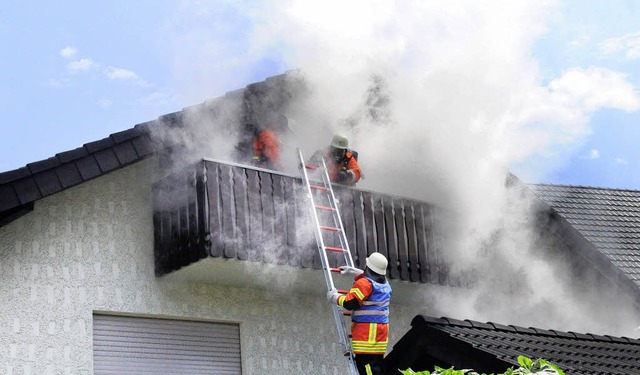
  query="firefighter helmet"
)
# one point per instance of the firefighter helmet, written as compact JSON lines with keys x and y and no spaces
{"x":377,"y":263}
{"x":340,"y":142}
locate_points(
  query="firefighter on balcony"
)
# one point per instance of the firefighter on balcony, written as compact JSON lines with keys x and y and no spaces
{"x":267,"y":144}
{"x":342,"y":163}
{"x":368,"y":299}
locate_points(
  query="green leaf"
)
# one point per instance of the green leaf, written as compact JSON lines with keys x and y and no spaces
{"x":525,"y":362}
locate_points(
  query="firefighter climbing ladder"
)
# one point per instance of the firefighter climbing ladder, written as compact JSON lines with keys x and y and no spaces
{"x":319,"y":194}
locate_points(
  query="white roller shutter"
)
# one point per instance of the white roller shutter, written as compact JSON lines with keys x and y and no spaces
{"x":132,"y":345}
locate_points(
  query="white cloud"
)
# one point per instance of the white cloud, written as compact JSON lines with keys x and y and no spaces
{"x":628,"y":44}
{"x":68,"y":52}
{"x":58,"y":82}
{"x":593,"y":88}
{"x":579,"y":42}
{"x":594,"y":154}
{"x":82,"y":65}
{"x":621,"y":161}
{"x":105,"y":103}
{"x":120,"y":74}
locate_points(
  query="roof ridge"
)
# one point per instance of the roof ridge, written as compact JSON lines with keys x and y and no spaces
{"x":444,"y":320}
{"x":584,"y":187}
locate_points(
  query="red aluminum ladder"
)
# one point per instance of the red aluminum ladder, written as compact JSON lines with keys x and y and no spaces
{"x":324,"y":201}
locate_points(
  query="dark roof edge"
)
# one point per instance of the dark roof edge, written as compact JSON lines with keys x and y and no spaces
{"x":583,"y":187}
{"x":426,"y":320}
{"x":38,"y":179}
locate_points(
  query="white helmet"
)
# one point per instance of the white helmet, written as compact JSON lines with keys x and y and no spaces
{"x":340,"y":142}
{"x":377,"y":263}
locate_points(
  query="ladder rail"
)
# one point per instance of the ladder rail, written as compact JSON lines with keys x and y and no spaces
{"x":343,"y":337}
{"x":318,"y":233}
{"x":343,"y":238}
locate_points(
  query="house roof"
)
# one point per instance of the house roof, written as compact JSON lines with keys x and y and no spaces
{"x":493,"y":347}
{"x":608,"y":218}
{"x":21,"y":187}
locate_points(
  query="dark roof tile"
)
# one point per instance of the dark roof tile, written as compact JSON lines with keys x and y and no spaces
{"x":43,"y":165}
{"x":126,"y":135}
{"x":8,"y":197}
{"x":88,"y":167}
{"x":524,"y":330}
{"x":13,"y":175}
{"x":601,"y":338}
{"x":48,"y":182}
{"x":27,"y":190}
{"x":125,"y":153}
{"x":107,"y":160}
{"x":68,"y":175}
{"x":143,"y":145}
{"x":476,"y":324}
{"x":563,"y":334}
{"x":544,"y":332}
{"x":502,"y":327}
{"x":461,"y":323}
{"x":99,"y":145}
{"x":71,"y":155}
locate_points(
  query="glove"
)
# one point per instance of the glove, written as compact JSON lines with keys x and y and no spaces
{"x":351,"y":176}
{"x":350,"y":271}
{"x":332,"y":296}
{"x":342,"y":176}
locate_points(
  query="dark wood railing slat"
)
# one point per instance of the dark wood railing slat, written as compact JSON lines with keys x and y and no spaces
{"x":403,"y":255}
{"x":255,"y":215}
{"x":421,"y":235}
{"x":242,"y":212}
{"x":378,"y":216}
{"x":215,"y":221}
{"x":412,"y":241}
{"x":228,"y":212}
{"x":392,"y":237}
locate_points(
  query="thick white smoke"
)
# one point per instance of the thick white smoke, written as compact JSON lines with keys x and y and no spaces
{"x":439,"y":98}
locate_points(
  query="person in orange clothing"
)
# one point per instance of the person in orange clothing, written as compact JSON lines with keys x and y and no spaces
{"x":266,"y":144}
{"x":342,"y":163}
{"x":368,"y":299}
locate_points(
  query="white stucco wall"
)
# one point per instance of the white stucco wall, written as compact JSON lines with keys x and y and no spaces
{"x":90,"y":248}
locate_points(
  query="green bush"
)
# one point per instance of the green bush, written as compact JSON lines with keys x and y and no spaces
{"x":527,"y":366}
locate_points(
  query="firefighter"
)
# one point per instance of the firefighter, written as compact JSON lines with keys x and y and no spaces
{"x":342,"y":163}
{"x":368,"y":299}
{"x":266,"y":144}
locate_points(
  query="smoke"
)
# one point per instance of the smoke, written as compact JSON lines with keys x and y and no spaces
{"x":439,"y":98}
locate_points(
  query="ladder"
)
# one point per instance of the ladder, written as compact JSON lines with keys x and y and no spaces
{"x":324,"y":201}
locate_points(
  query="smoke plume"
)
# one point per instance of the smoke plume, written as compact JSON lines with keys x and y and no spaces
{"x":439,"y":98}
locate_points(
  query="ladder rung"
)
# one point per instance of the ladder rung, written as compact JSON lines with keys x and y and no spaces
{"x":324,"y":208}
{"x":346,"y":313}
{"x":336,"y":249}
{"x":342,"y":291}
{"x":334,"y":229}
{"x":311,"y":166}
{"x":318,"y":187}
{"x":337,"y":270}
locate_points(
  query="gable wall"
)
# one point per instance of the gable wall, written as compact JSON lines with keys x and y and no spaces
{"x":90,"y":248}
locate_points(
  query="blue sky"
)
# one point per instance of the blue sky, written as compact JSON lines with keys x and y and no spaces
{"x":74,"y":72}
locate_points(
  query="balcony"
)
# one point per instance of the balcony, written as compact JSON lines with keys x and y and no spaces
{"x":215,"y":209}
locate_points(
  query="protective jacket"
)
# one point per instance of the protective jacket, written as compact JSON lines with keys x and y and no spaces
{"x":370,"y":321}
{"x":347,"y":163}
{"x":266,"y":149}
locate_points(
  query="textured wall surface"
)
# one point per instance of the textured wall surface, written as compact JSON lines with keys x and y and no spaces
{"x":90,"y":248}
